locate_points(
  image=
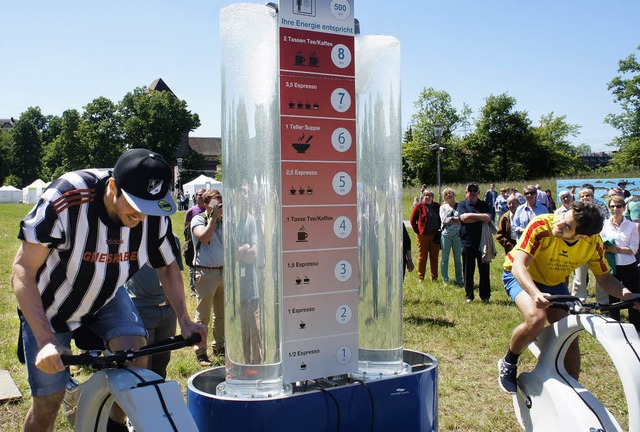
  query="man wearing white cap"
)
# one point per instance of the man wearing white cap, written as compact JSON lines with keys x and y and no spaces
{"x":90,"y":232}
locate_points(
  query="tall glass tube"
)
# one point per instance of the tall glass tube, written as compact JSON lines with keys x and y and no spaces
{"x":379,"y":206}
{"x":251,"y":178}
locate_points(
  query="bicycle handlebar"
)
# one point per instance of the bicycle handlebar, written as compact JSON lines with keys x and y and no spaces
{"x":574,"y":305}
{"x":97,"y":360}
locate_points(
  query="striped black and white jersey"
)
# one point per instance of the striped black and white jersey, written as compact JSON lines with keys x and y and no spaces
{"x":91,"y":255}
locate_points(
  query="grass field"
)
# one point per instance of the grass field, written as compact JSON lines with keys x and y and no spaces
{"x":466,"y":339}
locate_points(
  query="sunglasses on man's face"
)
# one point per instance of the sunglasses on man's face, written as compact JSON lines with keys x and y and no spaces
{"x":473,"y":190}
{"x":616,"y":206}
{"x":530,"y":193}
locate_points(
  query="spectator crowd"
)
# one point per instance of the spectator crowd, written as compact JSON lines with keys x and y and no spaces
{"x":464,"y":232}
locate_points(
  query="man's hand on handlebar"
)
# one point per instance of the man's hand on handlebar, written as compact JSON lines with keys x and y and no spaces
{"x":628,"y":295}
{"x":190,"y":327}
{"x":48,"y":359}
{"x":540,"y":299}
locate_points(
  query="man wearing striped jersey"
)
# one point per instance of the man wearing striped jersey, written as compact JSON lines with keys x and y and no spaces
{"x":88,"y":234}
{"x":549,"y":249}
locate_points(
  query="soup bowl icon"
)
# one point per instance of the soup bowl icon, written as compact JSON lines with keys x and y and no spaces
{"x":301,"y":147}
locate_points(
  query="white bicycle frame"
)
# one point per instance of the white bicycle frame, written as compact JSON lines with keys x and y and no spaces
{"x":151,"y":403}
{"x":549,"y":399}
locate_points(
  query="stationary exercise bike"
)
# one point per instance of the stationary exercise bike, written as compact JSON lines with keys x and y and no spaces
{"x":549,"y":399}
{"x":151,"y":403}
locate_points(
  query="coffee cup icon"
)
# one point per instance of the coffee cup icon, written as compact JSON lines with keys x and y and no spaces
{"x":301,"y":191}
{"x":309,"y":191}
{"x":293,"y":190}
{"x":314,"y":60}
{"x":299,"y":59}
{"x":298,"y":280}
{"x":306,"y":280}
{"x":303,"y":324}
{"x":302,"y":236}
{"x":303,"y":366}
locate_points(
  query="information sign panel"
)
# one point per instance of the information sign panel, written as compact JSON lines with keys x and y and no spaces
{"x":318,"y":173}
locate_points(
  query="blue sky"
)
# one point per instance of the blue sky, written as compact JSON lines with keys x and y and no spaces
{"x":549,"y":55}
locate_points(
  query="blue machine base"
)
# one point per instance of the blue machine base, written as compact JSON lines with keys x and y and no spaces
{"x":407,"y":403}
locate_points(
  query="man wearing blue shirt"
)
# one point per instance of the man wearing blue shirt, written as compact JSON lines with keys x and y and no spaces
{"x":526,"y":212}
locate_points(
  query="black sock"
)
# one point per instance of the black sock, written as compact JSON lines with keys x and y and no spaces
{"x":114,"y":426}
{"x":511,"y":357}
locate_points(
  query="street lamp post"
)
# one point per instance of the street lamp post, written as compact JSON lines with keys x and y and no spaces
{"x":438,"y":129}
{"x":179,"y":181}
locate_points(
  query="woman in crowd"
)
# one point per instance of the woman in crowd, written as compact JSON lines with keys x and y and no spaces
{"x":621,"y":239}
{"x":450,"y":237}
{"x":566,"y":197}
{"x":551,"y":204}
{"x":425,"y":221}
{"x":501,"y":202}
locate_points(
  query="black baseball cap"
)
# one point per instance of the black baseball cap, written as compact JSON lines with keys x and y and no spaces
{"x":472,"y":185}
{"x":145,"y":180}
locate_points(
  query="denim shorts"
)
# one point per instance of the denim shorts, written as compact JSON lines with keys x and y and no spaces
{"x":117,"y":318}
{"x":513,"y":288}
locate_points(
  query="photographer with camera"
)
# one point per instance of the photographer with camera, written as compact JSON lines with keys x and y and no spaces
{"x":206,"y":230}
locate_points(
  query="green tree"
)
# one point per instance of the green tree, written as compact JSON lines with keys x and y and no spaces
{"x":35,"y":116}
{"x":101,"y":132}
{"x":76,"y":156}
{"x":419,"y":162}
{"x":156,"y":120}
{"x":628,"y":157}
{"x":52,"y":153}
{"x":626,"y":92}
{"x":25,"y":151}
{"x":65,"y":152}
{"x":49,"y":126}
{"x":193,"y":164}
{"x":553,"y":135}
{"x":503,"y":145}
{"x":5,"y":147}
{"x":12,"y":180}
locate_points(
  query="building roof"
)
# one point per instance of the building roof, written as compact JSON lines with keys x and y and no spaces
{"x":206,"y":146}
{"x":160,"y":85}
{"x":7,"y":124}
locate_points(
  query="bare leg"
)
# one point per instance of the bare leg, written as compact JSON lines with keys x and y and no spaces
{"x":122,"y":343}
{"x":43,"y":413}
{"x":534,"y":320}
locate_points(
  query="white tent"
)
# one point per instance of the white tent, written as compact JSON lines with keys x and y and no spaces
{"x":201,"y":182}
{"x":10,"y":194}
{"x":31,"y":194}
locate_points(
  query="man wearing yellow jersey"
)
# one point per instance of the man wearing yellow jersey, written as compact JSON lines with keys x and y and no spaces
{"x":550,"y":248}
